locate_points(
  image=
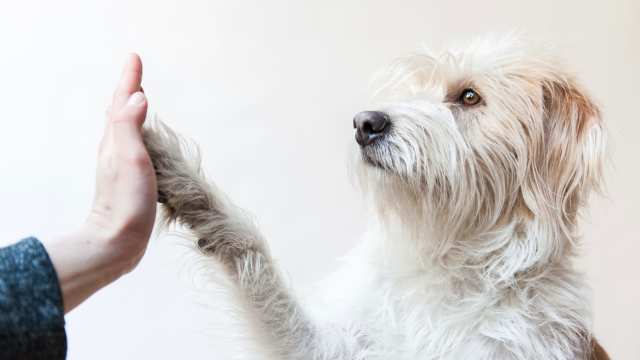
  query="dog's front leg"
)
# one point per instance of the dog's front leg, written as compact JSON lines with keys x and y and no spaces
{"x":223,"y":231}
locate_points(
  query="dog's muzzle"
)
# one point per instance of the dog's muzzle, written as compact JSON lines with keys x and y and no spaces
{"x":370,"y":126}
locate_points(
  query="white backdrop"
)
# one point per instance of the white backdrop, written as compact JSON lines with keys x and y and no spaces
{"x":268,"y":88}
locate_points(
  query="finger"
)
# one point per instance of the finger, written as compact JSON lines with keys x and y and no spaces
{"x":130,"y":80}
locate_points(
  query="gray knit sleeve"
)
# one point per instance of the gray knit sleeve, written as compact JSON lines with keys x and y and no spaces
{"x":31,"y":311}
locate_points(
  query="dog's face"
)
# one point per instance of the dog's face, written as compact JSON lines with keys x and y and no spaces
{"x":475,"y":138}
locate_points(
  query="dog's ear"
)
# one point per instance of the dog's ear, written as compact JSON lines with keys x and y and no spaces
{"x":575,"y":142}
{"x":573,"y":147}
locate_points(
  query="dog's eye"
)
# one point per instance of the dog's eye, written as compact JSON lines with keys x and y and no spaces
{"x":469,"y":97}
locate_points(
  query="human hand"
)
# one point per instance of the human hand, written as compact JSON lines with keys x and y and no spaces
{"x":124,"y":206}
{"x":114,"y":236}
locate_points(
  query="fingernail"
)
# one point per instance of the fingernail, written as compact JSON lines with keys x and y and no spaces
{"x":137,"y":98}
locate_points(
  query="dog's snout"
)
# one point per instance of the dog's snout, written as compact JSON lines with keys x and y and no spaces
{"x":370,"y":125}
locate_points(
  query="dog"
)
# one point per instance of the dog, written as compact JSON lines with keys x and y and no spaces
{"x":477,"y":162}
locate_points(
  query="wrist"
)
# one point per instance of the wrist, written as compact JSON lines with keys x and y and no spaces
{"x":100,"y":242}
{"x":111,"y":242}
{"x":85,"y":262}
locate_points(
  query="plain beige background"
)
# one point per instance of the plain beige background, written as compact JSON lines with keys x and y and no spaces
{"x":268,"y":88}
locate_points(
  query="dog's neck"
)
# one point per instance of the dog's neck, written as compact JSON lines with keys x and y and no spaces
{"x":510,"y":252}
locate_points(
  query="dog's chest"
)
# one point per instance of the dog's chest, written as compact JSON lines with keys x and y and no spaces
{"x":413,"y":313}
{"x":415,"y":319}
{"x":422,"y":317}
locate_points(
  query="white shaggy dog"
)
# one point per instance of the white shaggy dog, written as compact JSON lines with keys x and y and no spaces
{"x":478,"y":163}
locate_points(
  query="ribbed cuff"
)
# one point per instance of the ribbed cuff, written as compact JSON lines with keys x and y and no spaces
{"x":31,"y":309}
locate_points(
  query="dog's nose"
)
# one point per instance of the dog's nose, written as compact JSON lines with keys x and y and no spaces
{"x":370,"y":125}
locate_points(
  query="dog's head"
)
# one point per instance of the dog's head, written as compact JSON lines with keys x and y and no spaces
{"x":482,"y":137}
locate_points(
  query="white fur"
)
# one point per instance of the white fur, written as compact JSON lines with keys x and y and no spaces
{"x":475,"y":208}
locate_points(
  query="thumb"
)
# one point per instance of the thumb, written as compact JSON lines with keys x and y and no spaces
{"x":127,"y":123}
{"x":132,"y":115}
{"x":134,"y":111}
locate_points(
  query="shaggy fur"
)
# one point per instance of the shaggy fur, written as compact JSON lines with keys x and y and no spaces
{"x":476,"y":210}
